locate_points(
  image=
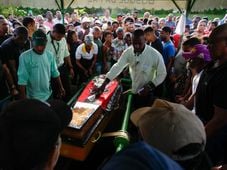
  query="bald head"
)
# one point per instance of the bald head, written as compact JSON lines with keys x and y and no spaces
{"x":138,"y":41}
{"x":3,"y":26}
{"x":138,"y":33}
{"x":21,"y":31}
{"x":20,"y":35}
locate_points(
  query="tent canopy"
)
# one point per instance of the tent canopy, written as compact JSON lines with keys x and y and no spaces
{"x":130,"y":4}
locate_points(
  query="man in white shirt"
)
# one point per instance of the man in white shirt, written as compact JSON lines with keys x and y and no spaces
{"x":86,"y":56}
{"x":56,"y":43}
{"x":146,"y":66}
{"x":84,"y":28}
{"x":59,"y":18}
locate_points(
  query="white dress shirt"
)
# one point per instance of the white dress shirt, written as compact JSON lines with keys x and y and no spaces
{"x":147,"y":66}
{"x":58,"y":48}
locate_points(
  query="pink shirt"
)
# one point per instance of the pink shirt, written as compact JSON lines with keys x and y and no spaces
{"x":49,"y":24}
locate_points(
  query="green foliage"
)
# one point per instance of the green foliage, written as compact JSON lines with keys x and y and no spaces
{"x":20,"y":12}
{"x":12,"y":10}
{"x":212,"y":12}
{"x":161,"y":12}
{"x":81,"y":11}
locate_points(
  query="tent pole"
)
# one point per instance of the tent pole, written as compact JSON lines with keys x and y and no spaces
{"x":61,"y":7}
{"x":177,"y":6}
{"x":70,"y":4}
{"x":63,"y":11}
{"x":190,"y":4}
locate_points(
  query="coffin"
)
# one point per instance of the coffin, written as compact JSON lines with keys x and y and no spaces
{"x":90,"y":118}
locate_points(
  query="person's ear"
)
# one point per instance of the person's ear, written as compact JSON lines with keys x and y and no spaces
{"x":29,"y":26}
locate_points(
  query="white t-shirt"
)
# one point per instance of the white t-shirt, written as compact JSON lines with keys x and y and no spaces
{"x":59,"y":21}
{"x":82,"y":53}
{"x":195,"y":82}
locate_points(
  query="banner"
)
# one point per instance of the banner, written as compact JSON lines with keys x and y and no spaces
{"x":130,"y":4}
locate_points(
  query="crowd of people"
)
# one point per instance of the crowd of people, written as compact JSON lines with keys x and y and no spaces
{"x":43,"y":56}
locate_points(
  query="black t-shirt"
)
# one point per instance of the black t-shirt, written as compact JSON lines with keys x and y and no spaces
{"x":10,"y":51}
{"x":72,"y":51}
{"x":76,"y":24}
{"x":3,"y":88}
{"x":157,"y":44}
{"x":1,"y":74}
{"x":3,"y":38}
{"x":211,"y":91}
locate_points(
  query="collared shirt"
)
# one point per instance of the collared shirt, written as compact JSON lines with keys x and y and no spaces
{"x":82,"y":53}
{"x":119,"y":46}
{"x":35,"y":72}
{"x":148,"y":66}
{"x":58,"y":48}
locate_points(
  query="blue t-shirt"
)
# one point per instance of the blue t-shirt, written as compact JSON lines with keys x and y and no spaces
{"x":170,"y":24}
{"x":35,"y":72}
{"x":140,"y":156}
{"x":168,"y":51}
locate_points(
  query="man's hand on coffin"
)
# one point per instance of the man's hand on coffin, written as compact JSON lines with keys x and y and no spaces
{"x":99,"y":90}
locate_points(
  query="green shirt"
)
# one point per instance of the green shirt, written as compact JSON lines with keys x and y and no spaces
{"x":35,"y":72}
{"x":98,"y":42}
